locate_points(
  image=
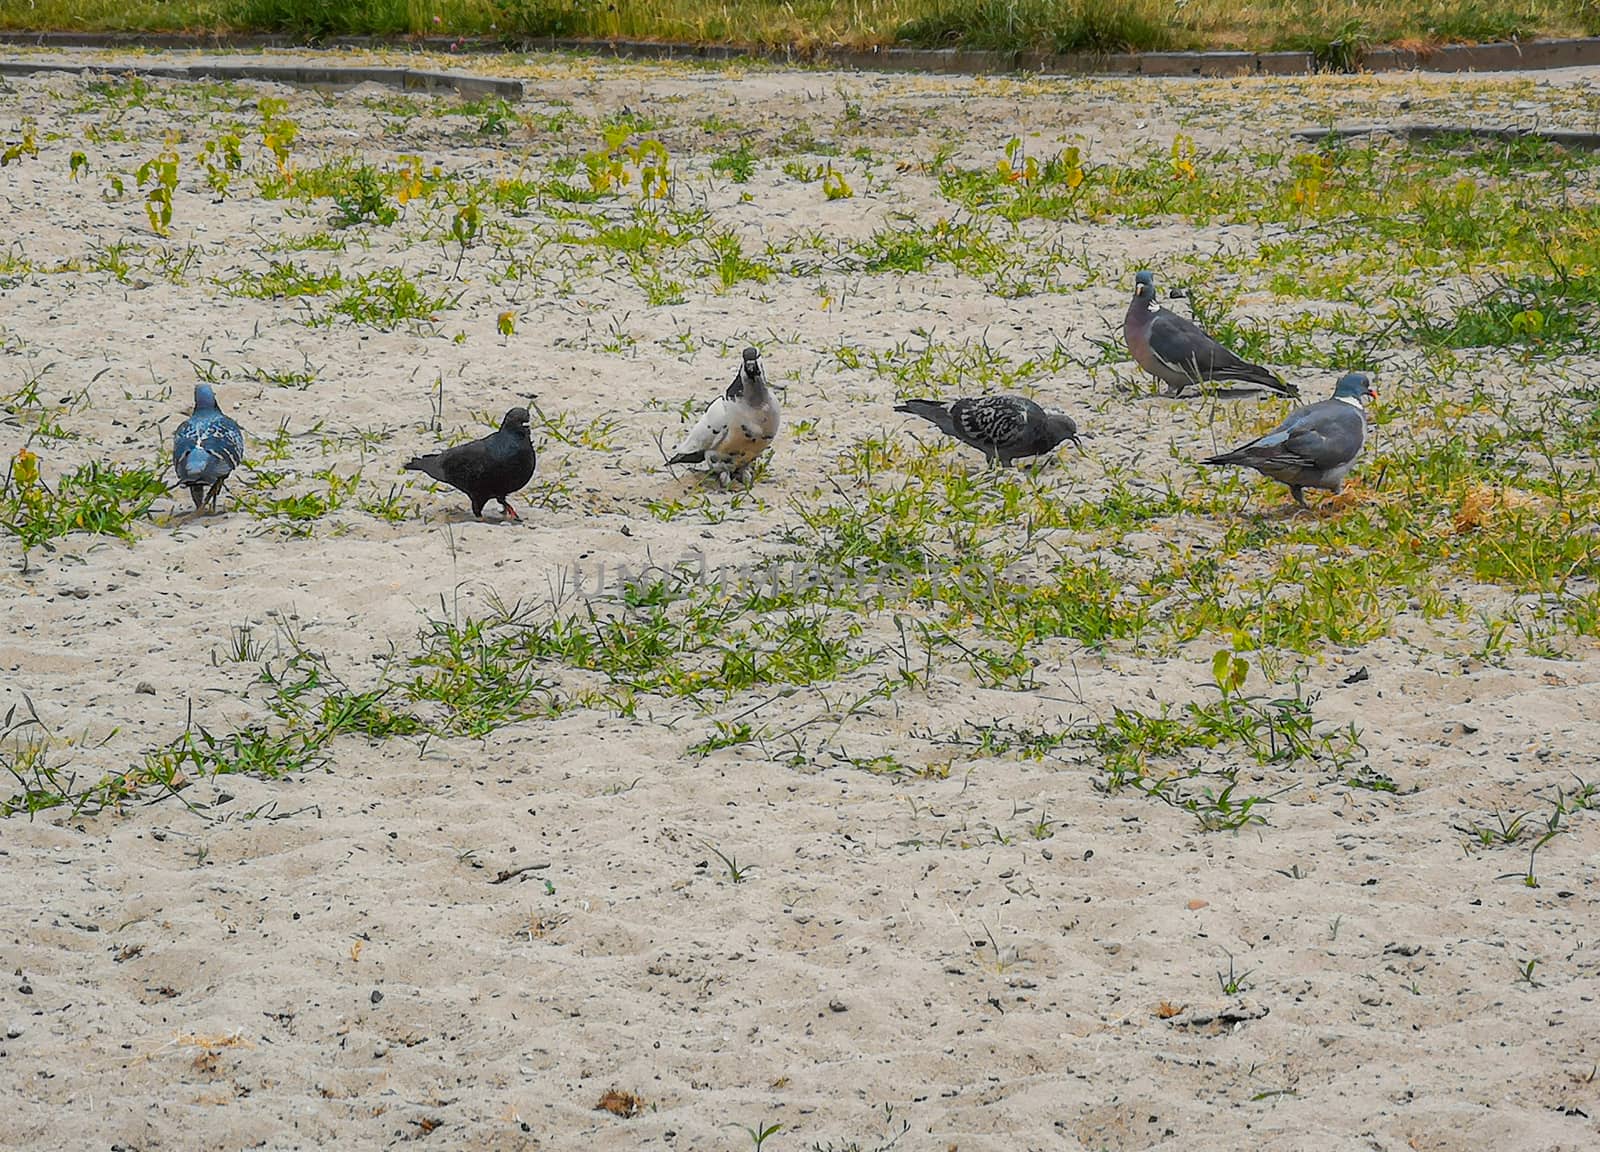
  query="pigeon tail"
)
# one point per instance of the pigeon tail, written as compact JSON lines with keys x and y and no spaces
{"x":1255,"y":374}
{"x":426,"y":464}
{"x":935,"y":412}
{"x":195,"y":465}
{"x":687,"y":458}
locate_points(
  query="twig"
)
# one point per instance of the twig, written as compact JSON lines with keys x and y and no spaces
{"x":513,"y":873}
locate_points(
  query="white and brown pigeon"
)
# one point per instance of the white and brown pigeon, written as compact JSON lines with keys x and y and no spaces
{"x":1316,"y":446}
{"x":1003,"y":428}
{"x":1173,"y":350}
{"x":737,"y":428}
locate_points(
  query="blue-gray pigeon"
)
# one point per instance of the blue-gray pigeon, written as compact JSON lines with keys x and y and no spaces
{"x":488,"y":469}
{"x":1316,"y":446}
{"x":1003,"y":428}
{"x":737,"y":428}
{"x":1173,"y":350}
{"x":207,"y":447}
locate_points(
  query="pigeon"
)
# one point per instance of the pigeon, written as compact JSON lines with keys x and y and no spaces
{"x":206,"y":449}
{"x":737,"y":428}
{"x":1316,"y":445}
{"x":1003,"y":428}
{"x":488,"y":469}
{"x":1173,"y":350}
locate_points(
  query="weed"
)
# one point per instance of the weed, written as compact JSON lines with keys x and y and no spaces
{"x":1234,"y":983}
{"x":100,"y":499}
{"x":736,"y":871}
{"x":161,"y":175}
{"x":739,"y":165}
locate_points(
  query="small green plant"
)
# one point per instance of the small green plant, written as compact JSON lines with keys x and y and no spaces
{"x":760,"y":1134}
{"x":739,"y":165}
{"x":160,"y":174}
{"x":736,"y":871}
{"x":28,"y":145}
{"x":278,"y":134}
{"x":101,"y":499}
{"x":221,"y":159}
{"x":1233,"y":983}
{"x":363,"y":198}
{"x":495,"y":116}
{"x":465,"y":225}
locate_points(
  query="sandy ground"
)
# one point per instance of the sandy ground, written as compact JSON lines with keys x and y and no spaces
{"x":325,"y":961}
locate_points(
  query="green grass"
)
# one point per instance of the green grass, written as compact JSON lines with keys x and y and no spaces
{"x":1327,"y":27}
{"x":100,"y":499}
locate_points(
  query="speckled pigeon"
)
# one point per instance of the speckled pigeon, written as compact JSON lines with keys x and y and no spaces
{"x":206,"y":449}
{"x":737,"y":428}
{"x":1316,"y":445}
{"x":488,"y":469}
{"x":1003,"y":428}
{"x":1173,"y":350}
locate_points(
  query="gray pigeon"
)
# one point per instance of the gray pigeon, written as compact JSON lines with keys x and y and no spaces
{"x":206,"y":449}
{"x":1173,"y":350}
{"x":1316,"y":445}
{"x":737,"y":428}
{"x":1003,"y":428}
{"x":488,"y":469}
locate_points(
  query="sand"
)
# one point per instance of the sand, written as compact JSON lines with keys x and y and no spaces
{"x":327,"y":960}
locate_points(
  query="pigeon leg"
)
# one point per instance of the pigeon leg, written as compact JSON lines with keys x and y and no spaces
{"x":211,"y":497}
{"x":722,"y":480}
{"x":510,"y":512}
{"x":1299,"y":495}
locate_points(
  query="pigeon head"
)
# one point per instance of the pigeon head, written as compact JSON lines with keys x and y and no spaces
{"x":205,"y":400}
{"x":752,"y":378}
{"x":516,"y":422}
{"x":1355,"y":386}
{"x":1061,"y":427}
{"x":1144,"y":285}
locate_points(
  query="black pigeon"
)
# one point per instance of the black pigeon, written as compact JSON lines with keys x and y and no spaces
{"x":1003,"y":428}
{"x":488,"y":469}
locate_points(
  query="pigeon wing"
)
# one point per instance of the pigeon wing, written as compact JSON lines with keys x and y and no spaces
{"x":207,"y":450}
{"x":991,"y":420}
{"x":707,"y":435}
{"x":1318,"y":438}
{"x":1181,"y":347}
{"x":1328,"y":435}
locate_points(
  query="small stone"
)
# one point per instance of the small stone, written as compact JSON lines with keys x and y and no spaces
{"x":144,"y":688}
{"x":377,"y":996}
{"x":837,"y":1006}
{"x":1196,"y":905}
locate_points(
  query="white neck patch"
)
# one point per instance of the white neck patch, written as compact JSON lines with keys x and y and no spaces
{"x":1352,"y":401}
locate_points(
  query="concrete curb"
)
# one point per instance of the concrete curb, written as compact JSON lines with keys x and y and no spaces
{"x":1562,"y":136}
{"x":1503,"y":57}
{"x":329,"y":76}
